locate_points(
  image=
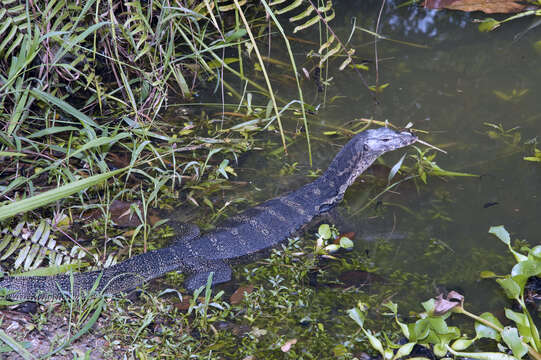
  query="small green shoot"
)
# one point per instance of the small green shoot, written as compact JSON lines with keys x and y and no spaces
{"x":329,"y":241}
{"x":426,"y":166}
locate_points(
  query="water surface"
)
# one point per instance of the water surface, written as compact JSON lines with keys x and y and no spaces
{"x":447,"y":87}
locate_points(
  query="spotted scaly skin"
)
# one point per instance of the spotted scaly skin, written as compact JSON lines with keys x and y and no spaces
{"x":239,"y":238}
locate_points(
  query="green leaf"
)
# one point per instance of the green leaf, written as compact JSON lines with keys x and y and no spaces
{"x":52,"y":130}
{"x":438,"y":325}
{"x":511,"y":288}
{"x":526,"y":268}
{"x":522,"y":323}
{"x":511,"y":337}
{"x":500,"y":233}
{"x":374,"y":342}
{"x":340,"y":350}
{"x":482,"y":355}
{"x":488,"y":24}
{"x":395,"y":168}
{"x":42,"y":199}
{"x":357,"y":315}
{"x":487,"y":274}
{"x":324,"y":231}
{"x":404,"y":350}
{"x":99,"y":142}
{"x":332,"y":248}
{"x":440,"y":350}
{"x":462,"y":344}
{"x":234,"y":35}
{"x":429,"y":305}
{"x":419,"y":330}
{"x":89,"y":324}
{"x":67,"y":108}
{"x":346,"y":243}
{"x":391,"y":306}
{"x":18,"y":348}
{"x":536,"y":251}
{"x":9,"y":153}
{"x":518,"y":318}
{"x":483,"y":331}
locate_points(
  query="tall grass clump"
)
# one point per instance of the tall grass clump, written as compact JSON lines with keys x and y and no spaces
{"x":82,"y":87}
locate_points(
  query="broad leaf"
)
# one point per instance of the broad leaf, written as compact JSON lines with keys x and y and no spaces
{"x":462,"y":344}
{"x":511,"y":288}
{"x":512,"y":339}
{"x":324,"y":231}
{"x":483,"y":331}
{"x":500,"y":233}
{"x":357,"y":315}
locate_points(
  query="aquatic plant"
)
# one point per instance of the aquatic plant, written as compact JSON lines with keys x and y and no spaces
{"x":432,"y":331}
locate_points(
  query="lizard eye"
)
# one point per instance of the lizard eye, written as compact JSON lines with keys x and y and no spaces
{"x":365,"y":147}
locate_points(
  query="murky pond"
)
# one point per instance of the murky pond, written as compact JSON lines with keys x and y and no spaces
{"x":451,"y":80}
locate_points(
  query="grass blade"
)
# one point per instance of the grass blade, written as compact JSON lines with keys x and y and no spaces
{"x":67,"y":108}
{"x":53,"y":195}
{"x":25,"y":354}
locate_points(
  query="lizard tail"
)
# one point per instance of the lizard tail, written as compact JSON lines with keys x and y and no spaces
{"x":124,"y":276}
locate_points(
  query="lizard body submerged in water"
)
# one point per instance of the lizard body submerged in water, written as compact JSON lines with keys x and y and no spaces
{"x":254,"y":230}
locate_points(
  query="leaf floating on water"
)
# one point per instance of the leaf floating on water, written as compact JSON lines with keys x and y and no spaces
{"x":486,"y":6}
{"x":487,"y":274}
{"x":488,"y":24}
{"x":324,"y":231}
{"x":346,"y":243}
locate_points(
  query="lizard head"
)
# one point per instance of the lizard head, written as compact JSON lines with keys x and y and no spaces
{"x":376,"y":142}
{"x":367,"y":146}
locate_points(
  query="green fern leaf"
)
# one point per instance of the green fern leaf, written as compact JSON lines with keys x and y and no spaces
{"x":330,"y":53}
{"x":295,"y":4}
{"x":326,"y":44}
{"x":307,"y":24}
{"x":309,"y":10}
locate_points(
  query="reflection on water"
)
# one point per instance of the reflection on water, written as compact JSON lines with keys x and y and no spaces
{"x":447,"y":88}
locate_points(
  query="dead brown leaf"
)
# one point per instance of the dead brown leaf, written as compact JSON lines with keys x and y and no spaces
{"x":238,"y":295}
{"x":486,"y":6}
{"x":452,"y":300}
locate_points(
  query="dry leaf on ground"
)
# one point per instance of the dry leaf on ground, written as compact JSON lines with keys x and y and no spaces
{"x":486,"y":6}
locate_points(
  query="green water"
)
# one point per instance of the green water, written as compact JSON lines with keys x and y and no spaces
{"x":446,"y":87}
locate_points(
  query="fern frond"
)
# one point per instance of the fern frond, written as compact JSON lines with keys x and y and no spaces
{"x":330,"y":53}
{"x":295,"y":4}
{"x":326,"y":44}
{"x":229,"y":7}
{"x":13,"y":26}
{"x":32,"y":248}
